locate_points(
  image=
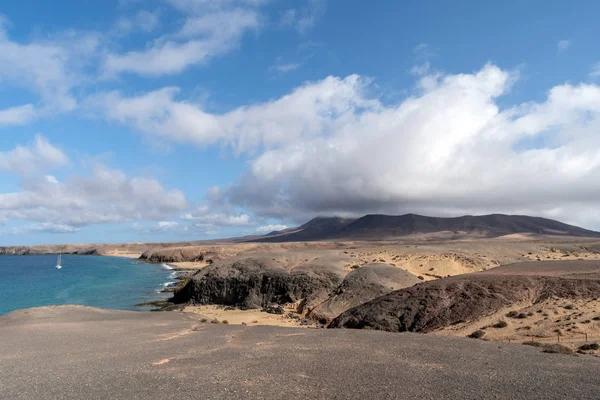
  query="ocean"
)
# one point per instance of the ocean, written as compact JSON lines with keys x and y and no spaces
{"x":106,"y":282}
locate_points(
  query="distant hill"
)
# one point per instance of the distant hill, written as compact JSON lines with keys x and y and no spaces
{"x":315,"y":229}
{"x":379,"y":227}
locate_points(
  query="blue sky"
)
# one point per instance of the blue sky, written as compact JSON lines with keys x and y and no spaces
{"x":174,"y":120}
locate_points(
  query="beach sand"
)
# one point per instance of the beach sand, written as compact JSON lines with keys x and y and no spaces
{"x":188,"y":265}
{"x":117,"y":253}
{"x":245,"y":317}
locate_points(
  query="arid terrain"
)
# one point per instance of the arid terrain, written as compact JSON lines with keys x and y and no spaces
{"x":471,"y":299}
{"x":513,"y":278}
{"x":78,"y":352}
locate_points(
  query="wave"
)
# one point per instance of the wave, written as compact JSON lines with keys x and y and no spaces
{"x":169,"y":284}
{"x":167,"y":266}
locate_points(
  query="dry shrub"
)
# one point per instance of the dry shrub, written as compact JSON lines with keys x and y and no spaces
{"x":500,"y":324}
{"x":551,"y":347}
{"x":477,"y":334}
{"x":589,"y":346}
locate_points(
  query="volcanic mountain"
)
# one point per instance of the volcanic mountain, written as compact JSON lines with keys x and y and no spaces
{"x":381,"y":227}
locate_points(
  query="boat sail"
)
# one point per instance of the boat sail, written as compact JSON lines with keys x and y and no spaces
{"x":59,"y":262}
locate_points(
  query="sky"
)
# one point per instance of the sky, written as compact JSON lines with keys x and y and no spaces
{"x":173,"y":120}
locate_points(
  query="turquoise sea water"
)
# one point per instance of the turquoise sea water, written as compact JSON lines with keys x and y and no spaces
{"x":107,"y":282}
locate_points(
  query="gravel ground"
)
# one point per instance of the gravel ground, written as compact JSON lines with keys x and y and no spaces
{"x":85,"y":353}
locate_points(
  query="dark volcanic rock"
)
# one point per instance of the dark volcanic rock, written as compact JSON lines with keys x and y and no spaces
{"x":258,"y":282}
{"x":16,"y":251}
{"x":377,"y":226}
{"x":50,"y":249}
{"x":361,"y":285}
{"x":178,"y":254}
{"x":274,"y":309}
{"x":441,"y":303}
{"x":90,"y":252}
{"x":318,"y":228}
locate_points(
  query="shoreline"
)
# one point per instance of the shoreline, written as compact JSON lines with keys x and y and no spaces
{"x":120,"y":272}
{"x":122,"y":255}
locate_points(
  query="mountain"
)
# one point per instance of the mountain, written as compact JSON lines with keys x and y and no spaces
{"x":316,"y":229}
{"x":377,"y":226}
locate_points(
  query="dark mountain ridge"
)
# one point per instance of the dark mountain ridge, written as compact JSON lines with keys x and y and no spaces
{"x":379,"y":226}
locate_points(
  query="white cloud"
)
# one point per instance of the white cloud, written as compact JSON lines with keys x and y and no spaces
{"x":330,"y":147}
{"x":148,"y":20}
{"x":144,"y":21}
{"x":595,"y":71}
{"x":270,"y":228}
{"x":312,"y":110}
{"x":208,"y":221}
{"x":208,"y":230}
{"x":19,"y":115}
{"x":536,"y":157}
{"x":286,"y":67}
{"x":202,"y":215}
{"x":45,"y":227}
{"x":563,"y":45}
{"x":303,"y":19}
{"x":171,"y":227}
{"x":36,"y":157}
{"x":167,"y":226}
{"x":288,"y":17}
{"x":424,"y":51}
{"x":206,"y":33}
{"x":420,"y":69}
{"x":104,"y":195}
{"x":50,"y":67}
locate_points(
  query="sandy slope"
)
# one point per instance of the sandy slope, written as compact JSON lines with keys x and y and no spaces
{"x":552,"y":321}
{"x":219,"y":314}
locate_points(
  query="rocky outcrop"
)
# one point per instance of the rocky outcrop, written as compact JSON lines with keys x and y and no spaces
{"x":437,"y":304}
{"x":90,"y":252}
{"x":17,"y":251}
{"x":48,"y":249}
{"x":362,"y":285}
{"x":258,"y":282}
{"x":179,"y":254}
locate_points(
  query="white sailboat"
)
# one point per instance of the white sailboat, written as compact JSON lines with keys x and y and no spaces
{"x":59,"y":262}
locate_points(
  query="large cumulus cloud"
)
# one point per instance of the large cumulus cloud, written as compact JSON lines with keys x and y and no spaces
{"x":331,"y":147}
